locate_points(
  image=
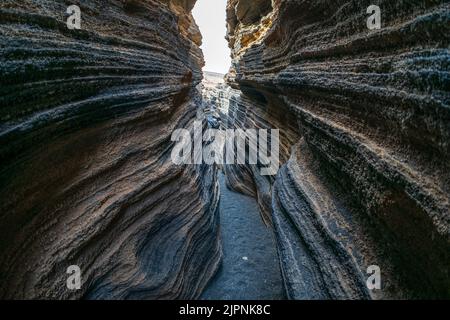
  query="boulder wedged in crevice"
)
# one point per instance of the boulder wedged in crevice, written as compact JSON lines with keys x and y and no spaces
{"x":85,"y":148}
{"x":366,"y":180}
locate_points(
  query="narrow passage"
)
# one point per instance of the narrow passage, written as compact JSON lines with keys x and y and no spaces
{"x":250,"y":269}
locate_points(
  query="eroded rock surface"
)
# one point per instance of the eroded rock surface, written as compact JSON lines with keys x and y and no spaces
{"x":86,"y":118}
{"x":250,"y":268}
{"x":85,"y":140}
{"x":365,"y":124}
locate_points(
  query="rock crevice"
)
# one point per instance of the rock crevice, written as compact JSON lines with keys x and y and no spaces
{"x":85,"y":140}
{"x":364,"y":117}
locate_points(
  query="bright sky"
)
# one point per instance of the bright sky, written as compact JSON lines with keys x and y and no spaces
{"x":210,"y":16}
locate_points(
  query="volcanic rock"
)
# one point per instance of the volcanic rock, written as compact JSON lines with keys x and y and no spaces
{"x":86,"y":175}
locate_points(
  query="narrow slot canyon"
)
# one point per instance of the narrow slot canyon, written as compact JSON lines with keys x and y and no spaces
{"x":88,"y":118}
{"x":250,"y":268}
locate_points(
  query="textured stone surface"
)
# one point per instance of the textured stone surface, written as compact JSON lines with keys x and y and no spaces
{"x":86,"y":178}
{"x":366,"y":177}
{"x":86,"y":118}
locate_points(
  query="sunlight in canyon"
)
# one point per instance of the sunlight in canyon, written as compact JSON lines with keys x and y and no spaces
{"x":210,"y":16}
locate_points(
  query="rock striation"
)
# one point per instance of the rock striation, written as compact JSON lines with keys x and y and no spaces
{"x":86,"y":177}
{"x":365,"y":126}
{"x":86,"y":119}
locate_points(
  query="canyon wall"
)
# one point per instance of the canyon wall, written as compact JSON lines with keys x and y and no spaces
{"x":365,"y":126}
{"x":86,"y":179}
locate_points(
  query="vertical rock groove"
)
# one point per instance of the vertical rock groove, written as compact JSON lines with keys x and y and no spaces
{"x":365,"y":127}
{"x":86,"y":123}
{"x":85,"y":140}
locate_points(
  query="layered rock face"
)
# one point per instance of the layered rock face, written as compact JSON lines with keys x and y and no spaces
{"x":85,"y":141}
{"x":365,"y":126}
